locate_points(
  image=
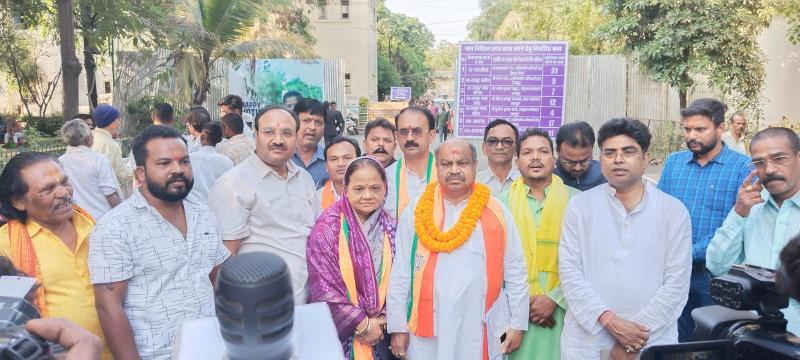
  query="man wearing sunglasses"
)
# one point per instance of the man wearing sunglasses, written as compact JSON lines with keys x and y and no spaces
{"x":499,"y":144}
{"x":762,"y":222}
{"x":574,"y":165}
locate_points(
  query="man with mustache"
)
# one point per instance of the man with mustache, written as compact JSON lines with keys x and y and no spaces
{"x":459,"y":262}
{"x":416,"y":131}
{"x":705,"y":178}
{"x":310,"y":154}
{"x":624,"y":257}
{"x":767,"y":211}
{"x":379,"y":140}
{"x":153,"y":258}
{"x":339,"y":152}
{"x":735,"y":137}
{"x":499,"y":144}
{"x":47,"y":238}
{"x":268,"y":203}
{"x":537,"y":200}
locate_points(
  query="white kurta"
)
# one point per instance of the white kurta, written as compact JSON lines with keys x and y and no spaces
{"x":460,"y":290}
{"x":637,"y":264}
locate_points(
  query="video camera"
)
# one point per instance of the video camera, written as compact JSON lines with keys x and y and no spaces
{"x":16,"y":343}
{"x":733,"y":330}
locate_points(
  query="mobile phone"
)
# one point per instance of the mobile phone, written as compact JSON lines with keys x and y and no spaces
{"x":503,"y":338}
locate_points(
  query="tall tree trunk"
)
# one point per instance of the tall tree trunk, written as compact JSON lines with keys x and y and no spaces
{"x":89,"y":63}
{"x":682,"y":98}
{"x":201,"y":92}
{"x":69,"y":61}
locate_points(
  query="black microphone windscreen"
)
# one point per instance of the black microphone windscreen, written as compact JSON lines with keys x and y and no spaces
{"x":255,"y":307}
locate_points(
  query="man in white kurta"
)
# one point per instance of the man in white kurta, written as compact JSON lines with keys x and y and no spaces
{"x":624,"y":256}
{"x":460,"y":286}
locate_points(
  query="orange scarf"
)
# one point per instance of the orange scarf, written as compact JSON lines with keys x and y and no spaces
{"x":362,"y":351}
{"x":23,"y":256}
{"x":423,"y":266}
{"x":328,"y":197}
{"x":401,"y":186}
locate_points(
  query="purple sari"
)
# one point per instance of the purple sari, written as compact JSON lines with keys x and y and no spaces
{"x":325,"y":281}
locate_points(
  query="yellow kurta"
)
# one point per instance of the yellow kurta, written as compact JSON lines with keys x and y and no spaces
{"x":65,"y":275}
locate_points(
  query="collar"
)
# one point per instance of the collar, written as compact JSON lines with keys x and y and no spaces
{"x":266,"y":171}
{"x":648,"y":188}
{"x":77,"y":149}
{"x":319,"y":154}
{"x":103,"y":132}
{"x":207,"y":148}
{"x":721,"y":158}
{"x":795,"y":199}
{"x":237,"y":137}
{"x":139,"y":202}
{"x":83,"y":227}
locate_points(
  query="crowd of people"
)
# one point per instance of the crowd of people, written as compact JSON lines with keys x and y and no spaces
{"x":549,"y":253}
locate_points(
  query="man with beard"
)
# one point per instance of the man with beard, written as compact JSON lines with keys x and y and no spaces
{"x":499,"y":144}
{"x":339,"y":152}
{"x":705,"y":178}
{"x":47,"y":238}
{"x":153,"y":258}
{"x":268,"y":203}
{"x":310,"y":154}
{"x":416,"y":131}
{"x":537,"y":201}
{"x":379,"y":141}
{"x":624,"y":257}
{"x":766,"y":213}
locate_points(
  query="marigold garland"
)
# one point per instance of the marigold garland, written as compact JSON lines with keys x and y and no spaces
{"x":429,"y":233}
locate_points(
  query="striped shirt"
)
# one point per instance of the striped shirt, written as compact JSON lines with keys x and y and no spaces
{"x":709,"y":191}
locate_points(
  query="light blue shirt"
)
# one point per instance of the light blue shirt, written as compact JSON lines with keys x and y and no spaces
{"x":757,"y":240}
{"x":316,"y":167}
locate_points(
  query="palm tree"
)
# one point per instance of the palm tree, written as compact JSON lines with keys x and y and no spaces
{"x":205,"y":31}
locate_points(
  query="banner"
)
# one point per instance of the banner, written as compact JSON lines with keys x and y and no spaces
{"x":522,"y":82}
{"x":276,"y":81}
{"x":400,"y":93}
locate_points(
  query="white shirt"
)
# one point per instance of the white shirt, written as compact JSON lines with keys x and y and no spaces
{"x":268,"y":213}
{"x":167,"y":273}
{"x":105,"y":144}
{"x":207,"y":166}
{"x":735,"y":145}
{"x":246,"y":129}
{"x":459,"y":289}
{"x":414,"y":183}
{"x":92,"y":179}
{"x":493,"y":182}
{"x":636,"y":264}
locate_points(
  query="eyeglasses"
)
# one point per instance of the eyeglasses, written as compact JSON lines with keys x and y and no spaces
{"x":573,"y":163}
{"x":779,"y":160}
{"x":628,"y":153}
{"x":493,"y":142}
{"x":417,"y":132}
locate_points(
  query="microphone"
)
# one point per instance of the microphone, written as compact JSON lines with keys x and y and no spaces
{"x":255,"y":307}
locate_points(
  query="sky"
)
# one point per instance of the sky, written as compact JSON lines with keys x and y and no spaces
{"x":447,"y":19}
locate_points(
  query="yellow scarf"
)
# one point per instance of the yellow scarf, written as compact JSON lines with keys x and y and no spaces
{"x":540,"y":243}
{"x":401,"y":186}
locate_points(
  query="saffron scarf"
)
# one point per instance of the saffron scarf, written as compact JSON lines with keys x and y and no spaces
{"x":540,"y":244}
{"x":23,"y":256}
{"x":360,"y":350}
{"x":401,"y":183}
{"x":328,"y":197}
{"x":423,"y":267}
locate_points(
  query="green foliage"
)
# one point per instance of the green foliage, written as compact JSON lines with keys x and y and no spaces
{"x":139,"y":111}
{"x":269,"y":87}
{"x":443,"y":56}
{"x":48,"y":126}
{"x":790,"y":10}
{"x":679,"y":42}
{"x":402,"y":45}
{"x":570,"y":20}
{"x":204,"y":31}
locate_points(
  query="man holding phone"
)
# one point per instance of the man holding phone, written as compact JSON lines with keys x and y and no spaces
{"x":705,"y":179}
{"x":762,"y":222}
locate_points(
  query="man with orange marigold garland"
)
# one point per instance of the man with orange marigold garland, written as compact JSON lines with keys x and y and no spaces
{"x":459,"y":287}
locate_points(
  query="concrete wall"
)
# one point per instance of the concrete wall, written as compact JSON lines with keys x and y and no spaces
{"x":783,"y":74}
{"x":353,"y":39}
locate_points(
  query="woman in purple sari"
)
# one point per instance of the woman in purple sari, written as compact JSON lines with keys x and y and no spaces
{"x":349,"y":254}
